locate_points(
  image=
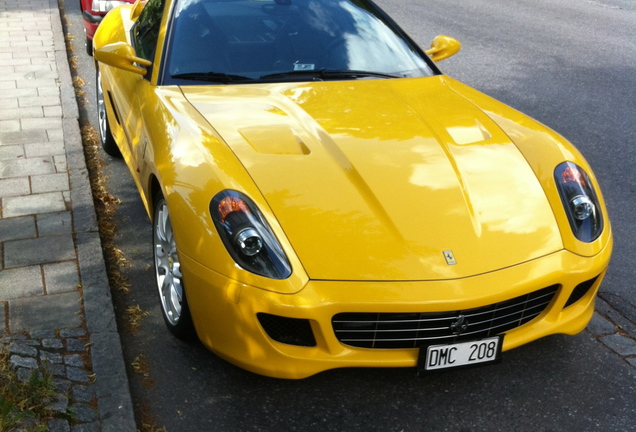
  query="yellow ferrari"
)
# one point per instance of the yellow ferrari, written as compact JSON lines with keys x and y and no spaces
{"x":322,"y":196}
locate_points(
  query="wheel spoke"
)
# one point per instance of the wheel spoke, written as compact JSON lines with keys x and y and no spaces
{"x":161,"y":226}
{"x":175,"y":298}
{"x":101,"y":108}
{"x":176,"y":270}
{"x":166,"y":286}
{"x":168,"y":231}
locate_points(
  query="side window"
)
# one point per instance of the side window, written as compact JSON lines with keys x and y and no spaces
{"x":146,"y":30}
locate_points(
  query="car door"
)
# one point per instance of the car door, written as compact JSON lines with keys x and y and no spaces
{"x":144,"y":37}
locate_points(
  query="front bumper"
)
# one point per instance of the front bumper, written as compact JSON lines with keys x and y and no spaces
{"x":225,"y":311}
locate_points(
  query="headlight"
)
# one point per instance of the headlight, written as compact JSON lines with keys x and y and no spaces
{"x":580,"y":201}
{"x":247,"y":236}
{"x":106,"y":5}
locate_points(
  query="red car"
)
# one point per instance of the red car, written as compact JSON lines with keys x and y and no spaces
{"x":93,"y":11}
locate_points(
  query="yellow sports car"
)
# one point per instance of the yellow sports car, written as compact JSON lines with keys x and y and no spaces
{"x":322,"y":196}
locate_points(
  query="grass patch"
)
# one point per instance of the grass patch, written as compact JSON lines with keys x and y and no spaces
{"x":23,"y":404}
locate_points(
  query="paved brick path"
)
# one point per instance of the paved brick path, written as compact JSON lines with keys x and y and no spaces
{"x":55,"y":305}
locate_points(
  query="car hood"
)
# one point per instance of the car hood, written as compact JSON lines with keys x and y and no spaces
{"x":384,"y":179}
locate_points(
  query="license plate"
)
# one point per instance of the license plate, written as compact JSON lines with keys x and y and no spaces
{"x":462,"y":354}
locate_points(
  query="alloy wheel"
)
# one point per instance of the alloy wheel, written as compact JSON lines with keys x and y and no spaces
{"x":167,"y":265}
{"x":101,"y":109}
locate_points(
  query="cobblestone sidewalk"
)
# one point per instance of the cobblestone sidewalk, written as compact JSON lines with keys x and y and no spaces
{"x":55,"y":304}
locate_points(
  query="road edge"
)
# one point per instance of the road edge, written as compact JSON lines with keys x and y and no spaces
{"x":112,"y":388}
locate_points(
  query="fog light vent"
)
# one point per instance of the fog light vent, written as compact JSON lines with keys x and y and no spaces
{"x":580,"y":290}
{"x":290,"y":331}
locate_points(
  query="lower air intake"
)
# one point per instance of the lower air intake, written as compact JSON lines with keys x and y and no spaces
{"x":579,"y":291}
{"x":290,"y":331}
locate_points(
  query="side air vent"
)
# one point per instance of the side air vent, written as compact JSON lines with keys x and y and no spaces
{"x":290,"y":331}
{"x":580,"y":290}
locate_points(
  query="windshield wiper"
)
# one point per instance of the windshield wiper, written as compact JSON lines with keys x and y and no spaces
{"x":324,"y":74}
{"x":212,"y":76}
{"x":314,"y":75}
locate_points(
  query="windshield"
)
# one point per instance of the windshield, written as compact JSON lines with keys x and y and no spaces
{"x":239,"y":41}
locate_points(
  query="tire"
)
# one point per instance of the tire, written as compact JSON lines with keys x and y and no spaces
{"x":172,"y":294}
{"x":105,"y":136}
{"x":88,"y":44}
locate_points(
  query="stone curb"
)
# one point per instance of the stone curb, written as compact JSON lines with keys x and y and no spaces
{"x":112,"y":390}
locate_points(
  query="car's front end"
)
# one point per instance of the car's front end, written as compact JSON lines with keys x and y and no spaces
{"x":316,"y":209}
{"x":463,"y":231}
{"x":334,"y":324}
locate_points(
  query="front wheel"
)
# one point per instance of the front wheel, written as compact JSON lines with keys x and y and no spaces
{"x":88,"y":45}
{"x":172,"y":295}
{"x":105,"y":136}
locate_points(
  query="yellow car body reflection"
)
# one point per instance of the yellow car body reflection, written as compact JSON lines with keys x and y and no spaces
{"x":398,"y":196}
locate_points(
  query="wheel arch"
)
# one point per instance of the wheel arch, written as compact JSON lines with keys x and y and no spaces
{"x":154,"y":188}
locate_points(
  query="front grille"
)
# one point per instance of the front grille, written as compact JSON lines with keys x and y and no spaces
{"x":411,"y":330}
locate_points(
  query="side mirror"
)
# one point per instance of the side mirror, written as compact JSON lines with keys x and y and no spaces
{"x":122,"y":56}
{"x":443,"y":47}
{"x":136,"y":9}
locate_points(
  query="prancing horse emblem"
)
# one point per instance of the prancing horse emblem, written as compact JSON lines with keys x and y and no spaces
{"x":450,"y":258}
{"x":459,"y":325}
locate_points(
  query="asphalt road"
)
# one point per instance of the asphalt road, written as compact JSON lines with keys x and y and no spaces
{"x":568,"y":63}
